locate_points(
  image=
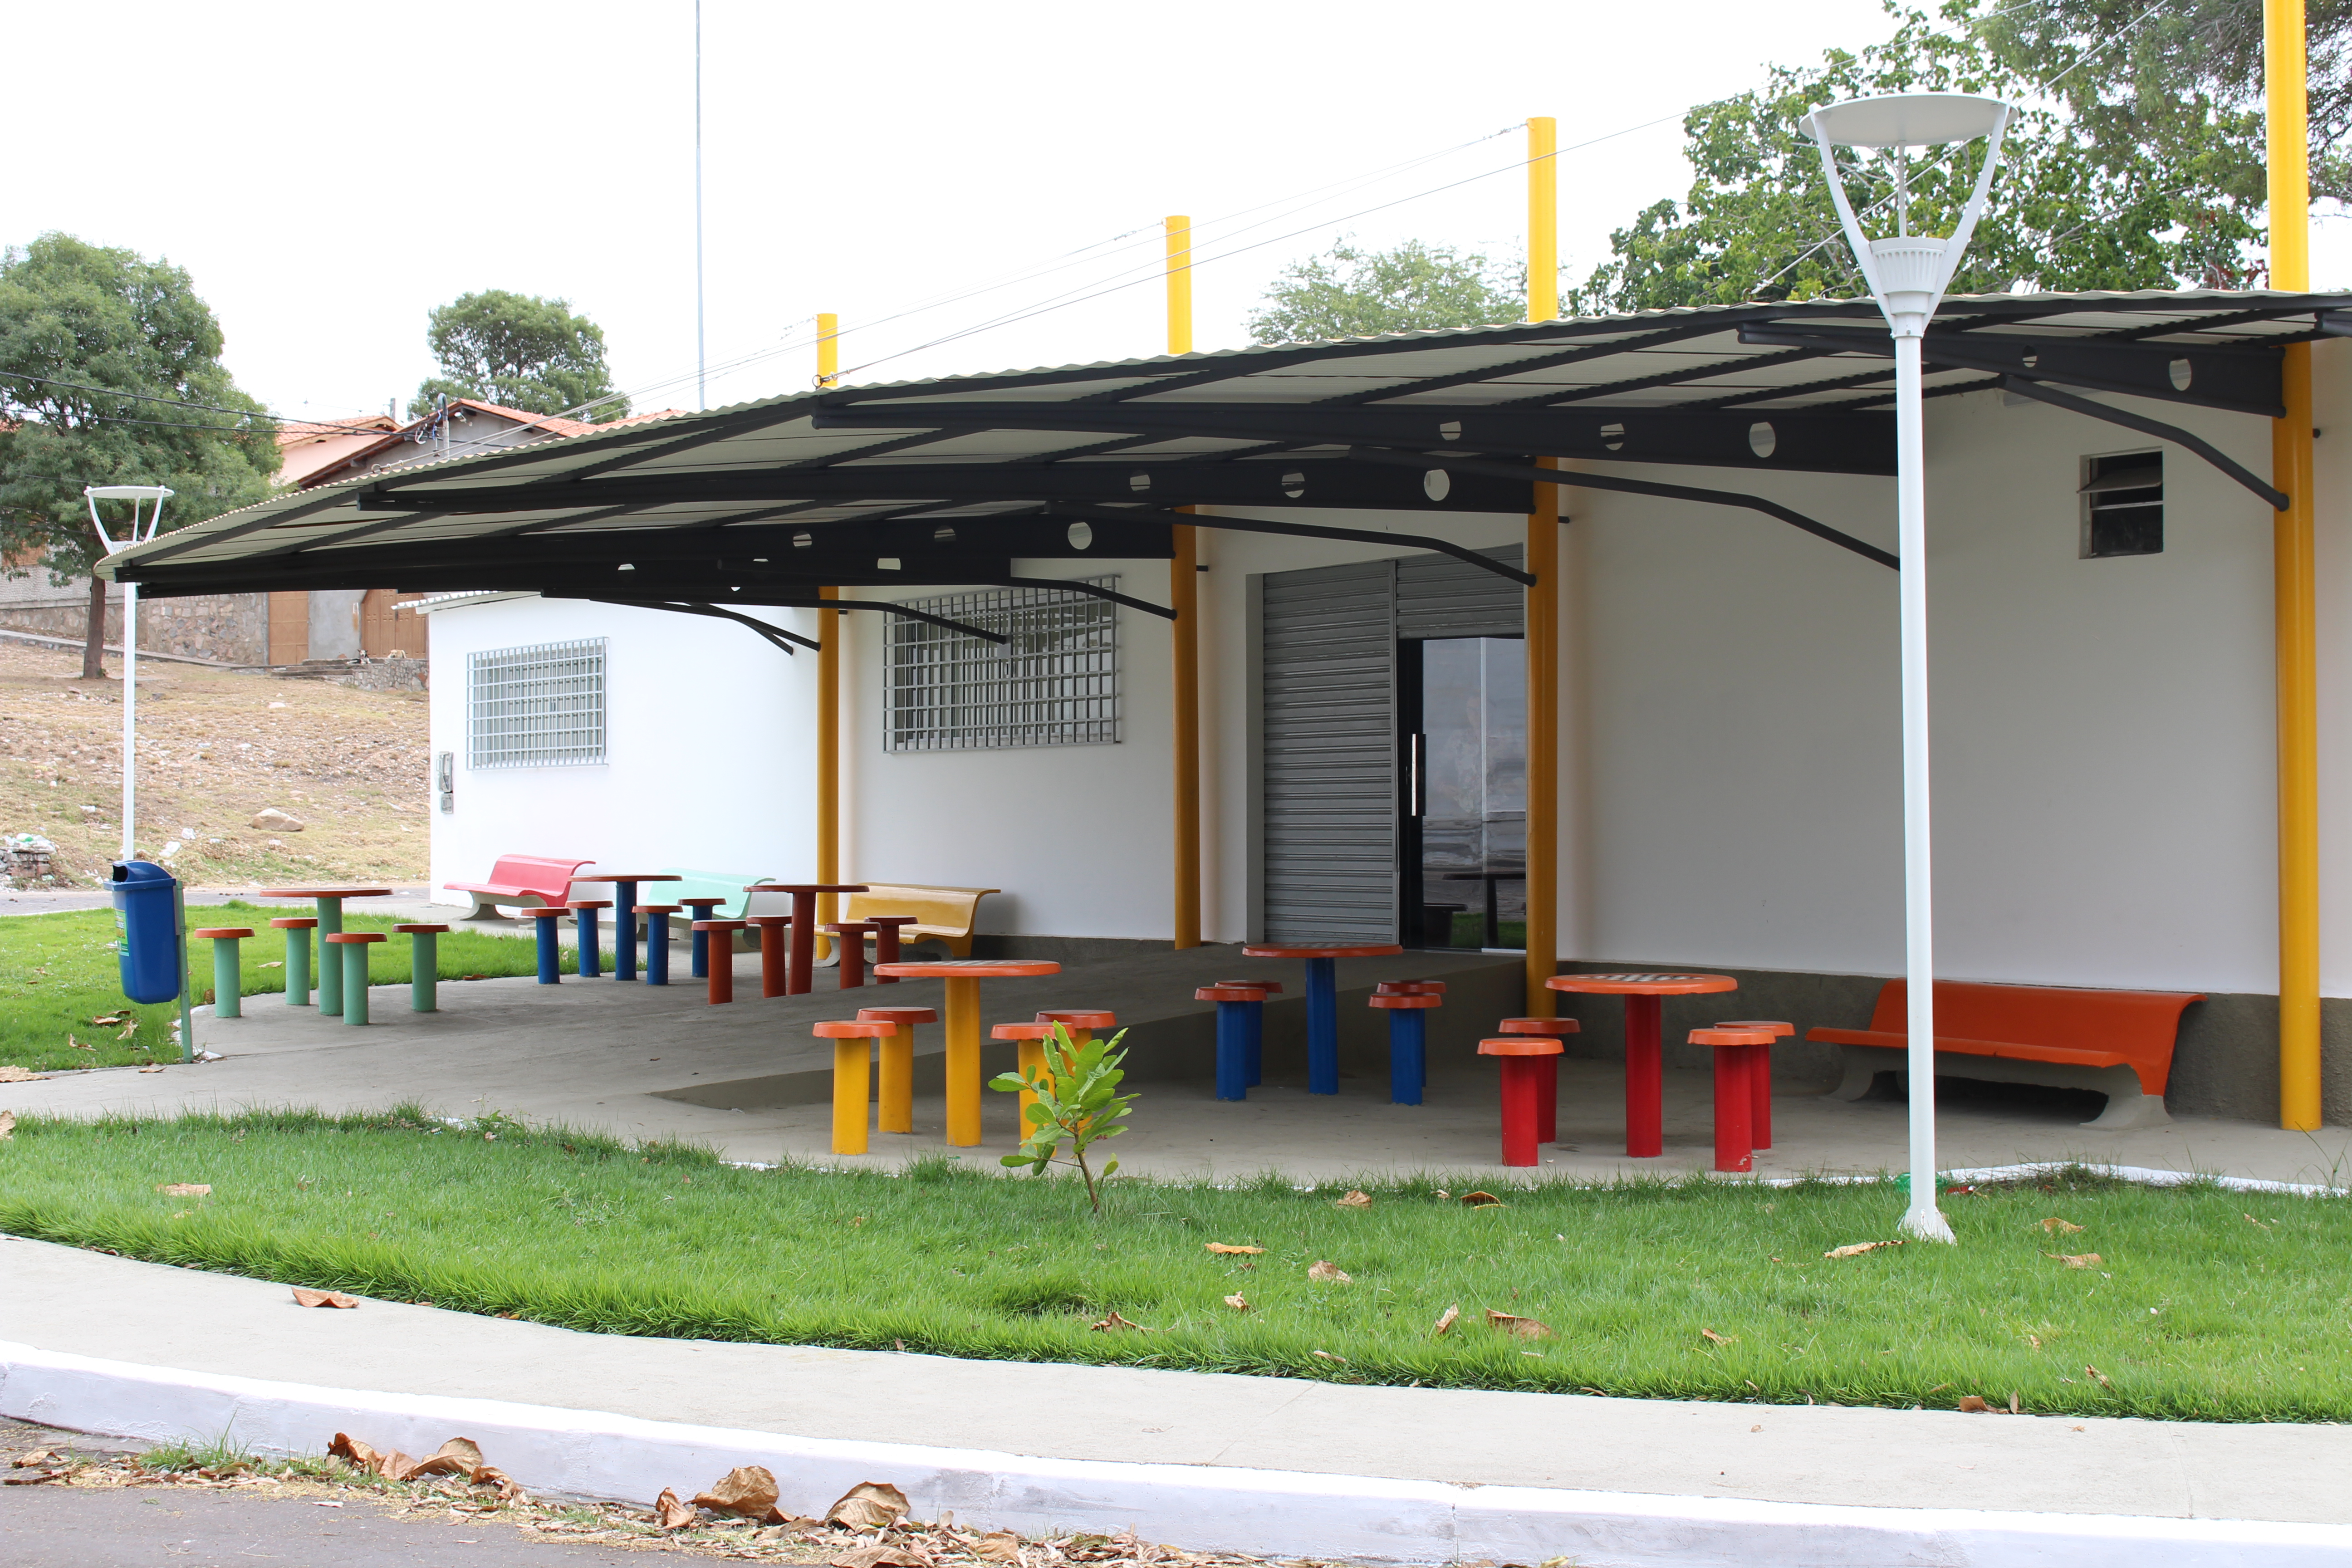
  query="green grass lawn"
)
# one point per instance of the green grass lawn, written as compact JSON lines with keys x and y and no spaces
{"x":2202,"y":1304}
{"x":58,"y":972}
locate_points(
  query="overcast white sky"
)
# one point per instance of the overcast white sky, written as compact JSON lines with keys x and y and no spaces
{"x":330,"y":173}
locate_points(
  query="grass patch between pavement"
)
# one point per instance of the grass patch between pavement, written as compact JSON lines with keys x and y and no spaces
{"x":58,"y":971}
{"x":2200,"y":1304}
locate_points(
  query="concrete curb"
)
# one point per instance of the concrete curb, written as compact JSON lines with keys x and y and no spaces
{"x":1200,"y":1507}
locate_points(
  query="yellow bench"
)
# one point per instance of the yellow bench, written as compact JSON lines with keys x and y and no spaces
{"x":941,"y":914}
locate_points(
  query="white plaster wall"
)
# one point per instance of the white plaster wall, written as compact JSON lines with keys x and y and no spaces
{"x":708,"y":735}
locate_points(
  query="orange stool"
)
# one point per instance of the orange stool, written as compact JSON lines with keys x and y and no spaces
{"x":723,"y":956}
{"x":298,"y":931}
{"x":355,"y":944}
{"x":1032,"y":1038}
{"x":1523,"y":1059}
{"x":1760,"y":1076}
{"x":583,"y":912}
{"x":775,"y":964}
{"x":1082,"y":1021}
{"x":1409,"y":988}
{"x":897,"y":1087}
{"x":1735,"y":1143}
{"x":1408,"y":1041}
{"x":424,"y":966}
{"x":1547,"y":1100}
{"x":228,"y":977}
{"x":851,"y":1057}
{"x":1254,"y":1046}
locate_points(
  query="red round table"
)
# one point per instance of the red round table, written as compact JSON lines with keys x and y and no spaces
{"x":963,"y":976}
{"x":1322,"y":1003}
{"x":804,"y":959}
{"x":1645,"y":1112}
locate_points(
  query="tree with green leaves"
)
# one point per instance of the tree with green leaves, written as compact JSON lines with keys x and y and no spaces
{"x":111,"y":375}
{"x":1414,"y":287}
{"x":520,"y":351}
{"x":2136,"y":161}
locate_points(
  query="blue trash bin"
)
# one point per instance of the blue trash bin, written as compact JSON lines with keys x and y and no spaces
{"x":146,"y":916}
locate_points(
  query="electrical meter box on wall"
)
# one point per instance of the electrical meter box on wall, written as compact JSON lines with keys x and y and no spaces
{"x":146,"y":919}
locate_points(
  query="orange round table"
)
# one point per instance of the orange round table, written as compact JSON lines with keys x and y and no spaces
{"x":963,"y":976}
{"x":1645,"y":1111}
{"x":330,"y":920}
{"x":1322,"y":1003}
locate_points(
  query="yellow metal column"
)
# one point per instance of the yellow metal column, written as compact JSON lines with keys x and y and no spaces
{"x":1184,"y":597}
{"x":2295,"y":615}
{"x":1543,"y":607}
{"x":962,"y":1017}
{"x":828,"y":686}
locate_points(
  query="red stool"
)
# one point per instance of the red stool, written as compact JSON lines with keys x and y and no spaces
{"x":1735,"y":1143}
{"x":850,"y":1056}
{"x":897,"y":1096}
{"x":1409,"y":988}
{"x":1760,"y":1076}
{"x":851,"y":945}
{"x":886,"y":942}
{"x":1523,"y":1056}
{"x":1032,"y":1038}
{"x":723,"y":956}
{"x":775,"y":970}
{"x":1547,"y":1102}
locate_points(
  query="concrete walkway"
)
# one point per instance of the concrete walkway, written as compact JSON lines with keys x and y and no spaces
{"x":102,"y":1343}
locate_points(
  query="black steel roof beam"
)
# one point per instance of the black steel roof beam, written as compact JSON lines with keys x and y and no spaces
{"x":1662,"y":378}
{"x":1093,"y":591}
{"x":966,"y":627}
{"x":1521,"y":367}
{"x":2025,"y":386}
{"x":1308,"y":530}
{"x":1578,"y":479}
{"x":180,"y":540}
{"x":776,"y":635}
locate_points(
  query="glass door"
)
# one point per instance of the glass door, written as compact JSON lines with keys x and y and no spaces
{"x":1462,"y":706}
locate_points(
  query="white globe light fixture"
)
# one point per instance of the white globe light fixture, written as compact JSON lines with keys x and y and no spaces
{"x":1906,"y":274}
{"x":139,"y":532}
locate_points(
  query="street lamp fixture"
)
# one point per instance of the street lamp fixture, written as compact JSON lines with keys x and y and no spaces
{"x":1908,"y":273}
{"x":139,"y":532}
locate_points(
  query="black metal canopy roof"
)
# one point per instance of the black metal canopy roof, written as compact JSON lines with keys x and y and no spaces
{"x":953,"y":480}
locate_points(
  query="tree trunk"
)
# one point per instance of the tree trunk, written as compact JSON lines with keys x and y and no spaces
{"x":94,"y":646}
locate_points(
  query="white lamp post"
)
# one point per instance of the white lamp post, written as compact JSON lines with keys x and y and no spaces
{"x":1906,"y":274}
{"x":138,"y":533}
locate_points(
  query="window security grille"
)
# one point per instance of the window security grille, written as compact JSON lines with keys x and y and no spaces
{"x":538,"y":706}
{"x":2123,"y":505}
{"x":1055,"y":684}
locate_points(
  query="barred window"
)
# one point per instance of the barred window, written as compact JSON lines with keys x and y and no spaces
{"x":538,"y":706}
{"x":1056,"y":683}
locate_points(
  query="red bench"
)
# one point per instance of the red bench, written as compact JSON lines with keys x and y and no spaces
{"x":2118,"y":1042}
{"x":519,"y":881}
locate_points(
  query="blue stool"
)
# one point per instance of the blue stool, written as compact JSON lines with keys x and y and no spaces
{"x":592,"y":962}
{"x":1408,"y":1041}
{"x":1236,"y":1007}
{"x":701,"y":915}
{"x":657,"y":941}
{"x":551,"y":951}
{"x":1257,"y":1023}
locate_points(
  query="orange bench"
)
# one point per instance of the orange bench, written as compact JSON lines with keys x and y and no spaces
{"x":519,"y":881}
{"x":2118,"y":1042}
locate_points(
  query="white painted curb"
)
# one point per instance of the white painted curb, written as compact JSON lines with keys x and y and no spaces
{"x":1198,"y":1507}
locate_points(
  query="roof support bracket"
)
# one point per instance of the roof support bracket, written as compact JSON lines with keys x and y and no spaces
{"x":2147,"y":427}
{"x":1577,"y":479}
{"x":966,"y":627}
{"x":1301,"y":530}
{"x":776,"y":635}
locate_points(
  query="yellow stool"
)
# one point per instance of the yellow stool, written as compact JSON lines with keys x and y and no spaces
{"x":851,"y":1055}
{"x":897,"y":1087}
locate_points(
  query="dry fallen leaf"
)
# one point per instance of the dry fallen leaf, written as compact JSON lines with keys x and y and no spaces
{"x":12,"y":1073}
{"x":1327,"y":1355}
{"x":1483,"y":1201}
{"x":303,"y":1298}
{"x":2075,"y":1260}
{"x":868,"y":1505}
{"x":1973,"y":1404}
{"x":1857,"y":1248}
{"x":78,"y":1045}
{"x":1238,"y":1303}
{"x":671,"y":1514}
{"x":1002,"y":1546}
{"x":2055,"y":1226}
{"x":106,"y":1020}
{"x":458,"y":1456}
{"x":8,"y":1125}
{"x":1523,"y":1327}
{"x":1354,"y":1200}
{"x":2098,"y":1377}
{"x":185,"y":1189}
{"x":749,"y":1491}
{"x":2252,"y":1221}
{"x":1323,"y":1272}
{"x":35,"y":1459}
{"x":1719,"y":1339}
{"x":1447,"y":1319}
{"x":2012,"y":1402}
{"x":275,"y":963}
{"x":1224,"y":1250}
{"x":33,"y":1479}
{"x":1113,"y":1322}
{"x":882,"y":1557}
{"x":151,"y":1070}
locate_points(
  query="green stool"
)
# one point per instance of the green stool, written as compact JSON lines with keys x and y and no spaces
{"x":355,"y":944}
{"x":298,"y":958}
{"x":228,"y":980}
{"x":424,"y":967}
